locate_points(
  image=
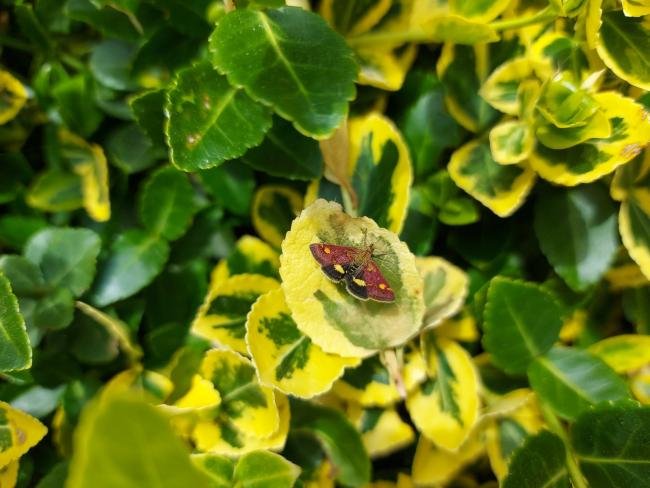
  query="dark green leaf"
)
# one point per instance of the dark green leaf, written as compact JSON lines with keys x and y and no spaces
{"x":286,"y":153}
{"x":134,"y":261}
{"x":211,"y":121}
{"x":54,"y":311}
{"x":271,"y":54}
{"x":25,"y":277}
{"x":15,"y":230}
{"x":148,"y":111}
{"x":571,"y":380}
{"x":612,"y":444}
{"x":231,"y":185}
{"x":128,"y":148}
{"x":66,"y":257}
{"x":110,"y":64}
{"x":539,"y":463}
{"x":578,"y":232}
{"x":166,"y":204}
{"x":14,"y":343}
{"x":521,"y":321}
{"x":339,"y":439}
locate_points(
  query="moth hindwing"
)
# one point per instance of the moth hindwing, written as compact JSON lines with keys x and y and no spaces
{"x":363,"y":278}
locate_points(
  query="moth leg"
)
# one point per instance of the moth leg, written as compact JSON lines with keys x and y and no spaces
{"x":335,"y":272}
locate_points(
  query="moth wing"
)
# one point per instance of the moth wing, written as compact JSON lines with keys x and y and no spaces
{"x":335,"y":260}
{"x":328,"y":254}
{"x":376,"y":285}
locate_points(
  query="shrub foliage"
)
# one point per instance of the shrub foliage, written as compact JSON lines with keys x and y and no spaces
{"x":166,"y":165}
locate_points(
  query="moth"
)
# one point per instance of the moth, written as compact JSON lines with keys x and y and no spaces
{"x":363,"y":278}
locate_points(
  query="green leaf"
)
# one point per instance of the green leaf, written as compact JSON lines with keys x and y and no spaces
{"x":611,"y":445}
{"x":110,"y":63}
{"x":623,"y":45}
{"x":148,"y":109}
{"x":55,"y":310}
{"x":501,"y":188}
{"x":55,"y":191}
{"x":15,"y":230}
{"x":75,"y":98}
{"x":571,"y":380}
{"x":14,"y":96}
{"x":14,"y":343}
{"x":427,"y":127}
{"x":134,"y":261}
{"x":540,"y":462}
{"x":287,"y":153}
{"x":166,"y":203}
{"x":219,"y":468}
{"x":210,"y":121}
{"x":521,"y":321}
{"x":340,"y":440}
{"x":274,"y":208}
{"x":263,"y":469}
{"x":577,"y":231}
{"x":101,"y":460}
{"x":131,"y":150}
{"x":66,"y":257}
{"x":25,"y":277}
{"x":270,"y":54}
{"x":231,"y":185}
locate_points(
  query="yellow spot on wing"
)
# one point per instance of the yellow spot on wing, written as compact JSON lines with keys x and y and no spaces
{"x":382,"y":286}
{"x":327,"y":250}
{"x":359,"y":282}
{"x":339,"y":268}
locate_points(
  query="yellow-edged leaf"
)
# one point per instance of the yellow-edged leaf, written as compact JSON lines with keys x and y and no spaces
{"x":368,"y":385}
{"x":636,"y":8}
{"x":380,"y":170}
{"x":222,"y":438}
{"x":634,"y":226}
{"x":502,"y":189}
{"x":511,"y":142}
{"x":461,"y":328}
{"x":500,"y":88}
{"x":445,"y":408}
{"x":435,"y":466}
{"x":9,"y":474}
{"x":249,"y":255}
{"x":445,"y":289}
{"x":88,"y":161}
{"x":273,"y":209}
{"x":624,"y":353}
{"x":222,"y":316}
{"x":595,"y":158}
{"x":19,"y":432}
{"x":640,"y":386}
{"x":330,"y":316}
{"x":202,"y":394}
{"x":13,"y":96}
{"x":382,"y":431}
{"x":147,"y":385}
{"x":385,"y":69}
{"x":284,"y":357}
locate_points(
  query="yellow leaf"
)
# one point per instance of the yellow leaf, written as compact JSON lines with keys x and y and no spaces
{"x":88,"y":161}
{"x":202,"y":394}
{"x":461,"y":328}
{"x":593,"y":21}
{"x":369,"y":385}
{"x":273,"y":209}
{"x":626,"y":276}
{"x":511,"y":142}
{"x":445,"y":289}
{"x":435,"y":466}
{"x":285,"y":358}
{"x":9,"y":475}
{"x":334,"y":12}
{"x":388,"y":432}
{"x":330,"y":316}
{"x":13,"y":96}
{"x":146,"y":385}
{"x":640,"y":386}
{"x":222,"y":317}
{"x":385,"y":69}
{"x":249,"y":255}
{"x":445,"y":408}
{"x":502,"y":83}
{"x":19,"y":432}
{"x":624,"y":353}
{"x":636,"y":8}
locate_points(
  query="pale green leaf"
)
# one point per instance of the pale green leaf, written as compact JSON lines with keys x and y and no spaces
{"x":15,"y":351}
